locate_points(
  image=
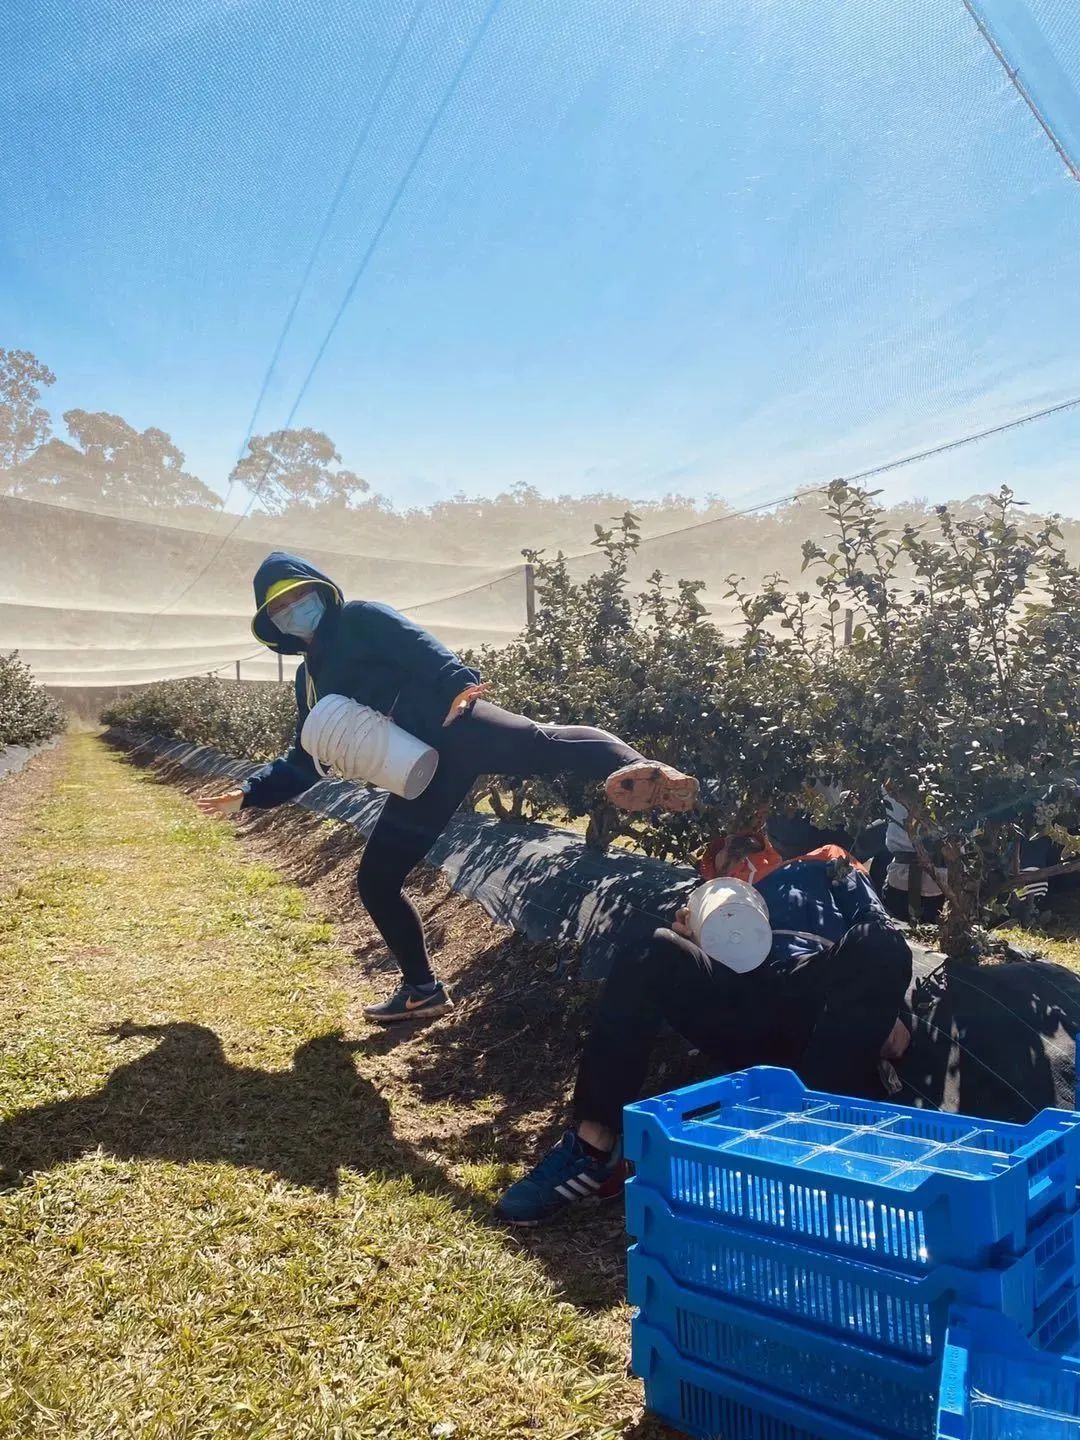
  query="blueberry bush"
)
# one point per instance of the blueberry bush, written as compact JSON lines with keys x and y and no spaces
{"x":252,"y":721}
{"x":940,"y":659}
{"x":28,"y":714}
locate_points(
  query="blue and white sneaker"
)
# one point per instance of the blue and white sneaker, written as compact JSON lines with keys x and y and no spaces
{"x":566,"y":1175}
{"x":411,"y":1002}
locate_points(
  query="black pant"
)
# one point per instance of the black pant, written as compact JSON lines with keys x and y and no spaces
{"x":898,"y":904}
{"x":826,"y":1020}
{"x":486,"y":741}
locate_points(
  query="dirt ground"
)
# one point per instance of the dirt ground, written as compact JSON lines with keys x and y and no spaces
{"x":22,"y":792}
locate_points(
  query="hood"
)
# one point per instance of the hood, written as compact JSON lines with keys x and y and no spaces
{"x":279,"y":565}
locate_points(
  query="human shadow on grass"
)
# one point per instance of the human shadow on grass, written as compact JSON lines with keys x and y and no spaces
{"x":184,"y":1101}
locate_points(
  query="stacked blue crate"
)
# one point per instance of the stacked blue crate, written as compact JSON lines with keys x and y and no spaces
{"x":799,"y":1255}
{"x":997,"y":1386}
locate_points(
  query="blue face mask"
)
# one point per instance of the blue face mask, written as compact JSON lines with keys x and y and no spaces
{"x":302,"y":617}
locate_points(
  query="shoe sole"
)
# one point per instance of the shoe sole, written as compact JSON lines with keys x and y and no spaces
{"x":427,"y":1012}
{"x":653,"y":787}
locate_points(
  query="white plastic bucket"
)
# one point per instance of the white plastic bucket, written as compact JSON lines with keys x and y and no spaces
{"x":359,"y":743}
{"x":730,"y":922}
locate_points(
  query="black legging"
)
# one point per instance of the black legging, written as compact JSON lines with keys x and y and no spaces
{"x":826,"y":1018}
{"x":485,"y":741}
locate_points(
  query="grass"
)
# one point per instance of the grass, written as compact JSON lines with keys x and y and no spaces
{"x":208,"y":1226}
{"x":1056,"y":935}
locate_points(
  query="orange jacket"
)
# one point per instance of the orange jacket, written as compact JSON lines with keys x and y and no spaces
{"x":714,"y":863}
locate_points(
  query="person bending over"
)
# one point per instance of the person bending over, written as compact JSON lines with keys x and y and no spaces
{"x":371,"y":654}
{"x":825,"y":1002}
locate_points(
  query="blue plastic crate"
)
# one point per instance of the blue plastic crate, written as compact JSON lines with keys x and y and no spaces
{"x":711,"y":1405}
{"x":899,"y":1312}
{"x":996,"y":1387}
{"x":893,"y":1397}
{"x":894,"y":1185}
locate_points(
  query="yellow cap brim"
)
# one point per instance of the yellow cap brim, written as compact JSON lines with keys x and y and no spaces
{"x":280,"y":587}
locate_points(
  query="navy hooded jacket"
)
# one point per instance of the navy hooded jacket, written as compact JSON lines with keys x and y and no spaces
{"x":361,"y":649}
{"x":813,"y":901}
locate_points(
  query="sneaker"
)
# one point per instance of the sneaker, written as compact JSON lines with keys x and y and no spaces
{"x":411,"y":1002}
{"x":565,"y":1175}
{"x":647,"y":785}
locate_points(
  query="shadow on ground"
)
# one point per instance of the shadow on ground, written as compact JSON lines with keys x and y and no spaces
{"x":184,"y":1101}
{"x":649,"y":1428}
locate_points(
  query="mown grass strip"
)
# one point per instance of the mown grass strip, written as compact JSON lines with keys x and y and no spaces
{"x":209,"y":1228}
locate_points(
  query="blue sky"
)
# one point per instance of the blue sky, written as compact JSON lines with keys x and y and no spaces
{"x":680,"y":245}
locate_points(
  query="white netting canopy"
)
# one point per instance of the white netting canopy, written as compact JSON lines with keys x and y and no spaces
{"x":296,"y":275}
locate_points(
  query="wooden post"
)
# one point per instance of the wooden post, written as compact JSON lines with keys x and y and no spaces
{"x":849,"y":627}
{"x":280,"y":667}
{"x":530,"y":594}
{"x":238,"y":672}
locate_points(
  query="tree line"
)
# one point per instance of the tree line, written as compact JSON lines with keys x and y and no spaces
{"x":305,"y":494}
{"x":104,"y":458}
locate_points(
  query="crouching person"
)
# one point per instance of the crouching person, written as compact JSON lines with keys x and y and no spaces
{"x":826,"y":1001}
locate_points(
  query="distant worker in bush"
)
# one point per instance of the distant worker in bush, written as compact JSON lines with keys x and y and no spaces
{"x":371,"y":654}
{"x":910,"y":891}
{"x":826,"y":1001}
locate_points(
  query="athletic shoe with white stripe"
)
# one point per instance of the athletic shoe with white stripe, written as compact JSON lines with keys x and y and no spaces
{"x":566,"y":1175}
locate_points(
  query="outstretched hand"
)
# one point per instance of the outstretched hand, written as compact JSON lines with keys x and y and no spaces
{"x":227,"y":804}
{"x":462,"y":703}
